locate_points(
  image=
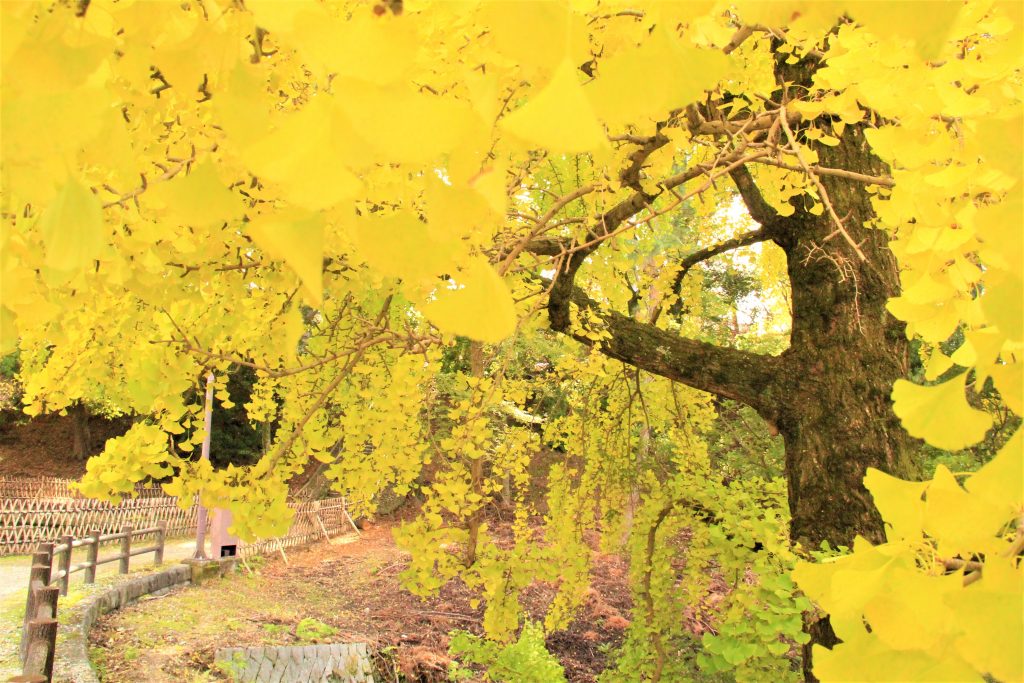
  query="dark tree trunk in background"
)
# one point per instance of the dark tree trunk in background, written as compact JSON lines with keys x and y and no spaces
{"x":81,"y":439}
{"x":845,"y":353}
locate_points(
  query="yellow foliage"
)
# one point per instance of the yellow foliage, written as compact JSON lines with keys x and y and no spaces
{"x":939,"y":414}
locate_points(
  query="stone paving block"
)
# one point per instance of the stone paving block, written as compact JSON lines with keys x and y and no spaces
{"x":302,"y":664}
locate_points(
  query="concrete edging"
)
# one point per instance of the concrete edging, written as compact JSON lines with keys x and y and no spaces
{"x":71,"y":664}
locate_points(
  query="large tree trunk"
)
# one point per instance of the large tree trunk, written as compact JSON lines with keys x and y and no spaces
{"x":828,"y":394}
{"x":845,"y":352}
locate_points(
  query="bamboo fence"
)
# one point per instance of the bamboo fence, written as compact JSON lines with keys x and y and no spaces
{"x":55,"y":487}
{"x":26,"y":521}
{"x":314,"y":520}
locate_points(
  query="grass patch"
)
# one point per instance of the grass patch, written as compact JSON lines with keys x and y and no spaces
{"x":15,"y":561}
{"x":12,"y":611}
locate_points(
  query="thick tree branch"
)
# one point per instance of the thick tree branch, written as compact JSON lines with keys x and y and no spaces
{"x":739,"y":375}
{"x":759,"y":209}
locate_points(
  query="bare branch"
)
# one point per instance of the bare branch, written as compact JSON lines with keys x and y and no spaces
{"x":823,"y":193}
{"x":746,"y":239}
{"x":884,"y":181}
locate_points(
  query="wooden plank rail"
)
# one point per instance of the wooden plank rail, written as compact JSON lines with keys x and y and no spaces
{"x":39,"y":631}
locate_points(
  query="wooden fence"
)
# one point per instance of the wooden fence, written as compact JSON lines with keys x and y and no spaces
{"x":26,"y":522}
{"x":39,"y":630}
{"x":55,"y":487}
{"x":314,"y":520}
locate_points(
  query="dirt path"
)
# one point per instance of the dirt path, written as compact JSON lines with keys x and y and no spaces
{"x":346,"y":590}
{"x":13,"y":578}
{"x":14,"y":569}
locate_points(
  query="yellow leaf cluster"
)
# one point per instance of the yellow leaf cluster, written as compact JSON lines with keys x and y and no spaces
{"x":942,"y":599}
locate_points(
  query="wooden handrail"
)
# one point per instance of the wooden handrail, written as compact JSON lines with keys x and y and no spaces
{"x":39,"y":632}
{"x":62,"y":548}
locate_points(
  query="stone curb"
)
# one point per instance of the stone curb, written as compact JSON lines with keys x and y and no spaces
{"x":71,"y":663}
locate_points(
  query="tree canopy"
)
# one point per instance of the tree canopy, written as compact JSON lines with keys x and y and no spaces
{"x":404,"y":216}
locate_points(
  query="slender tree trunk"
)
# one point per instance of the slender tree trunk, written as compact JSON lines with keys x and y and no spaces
{"x":81,"y":435}
{"x":475,"y":465}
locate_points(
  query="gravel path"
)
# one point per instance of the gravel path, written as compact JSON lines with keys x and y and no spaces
{"x":14,"y":570}
{"x":13,"y":578}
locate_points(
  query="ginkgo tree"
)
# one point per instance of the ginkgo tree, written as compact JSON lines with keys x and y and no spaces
{"x":330,"y":193}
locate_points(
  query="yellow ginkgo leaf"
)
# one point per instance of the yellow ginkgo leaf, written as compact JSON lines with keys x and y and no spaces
{"x":939,"y":414}
{"x":926,"y":22}
{"x":374,"y":48}
{"x":908,"y":613}
{"x":1001,"y":302}
{"x":72,"y":227}
{"x":197,"y":199}
{"x":961,"y":522}
{"x":873,"y":660}
{"x":297,"y":239}
{"x":673,"y":76}
{"x":989,"y":615}
{"x":1009,"y":381}
{"x":559,"y":117}
{"x":284,"y":17}
{"x":404,"y":125}
{"x":243,"y":108}
{"x":937,"y":365}
{"x":307,"y":156}
{"x":475,"y":304}
{"x":399,"y":245}
{"x":461,"y":212}
{"x":899,"y":502}
{"x":534,"y":34}
{"x":1001,"y":480}
{"x":8,"y":331}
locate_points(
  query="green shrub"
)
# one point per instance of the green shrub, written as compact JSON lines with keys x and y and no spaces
{"x":525,"y":661}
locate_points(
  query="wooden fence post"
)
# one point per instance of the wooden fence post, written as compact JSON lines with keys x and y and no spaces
{"x":42,"y":635}
{"x":161,"y":537}
{"x":38,"y":575}
{"x":65,"y":563}
{"x":126,"y":548}
{"x":94,"y":555}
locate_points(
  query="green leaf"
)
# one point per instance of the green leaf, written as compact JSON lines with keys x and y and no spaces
{"x":72,"y":227}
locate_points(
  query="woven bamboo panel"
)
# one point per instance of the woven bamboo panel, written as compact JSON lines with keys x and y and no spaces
{"x":24,"y":522}
{"x":312,"y":520}
{"x":46,"y":508}
{"x":54,"y":487}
